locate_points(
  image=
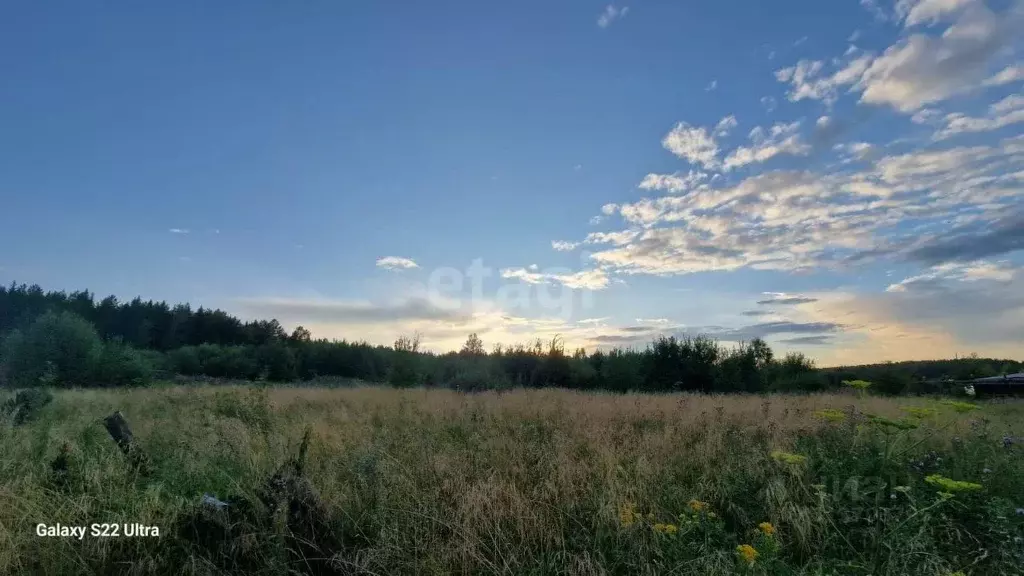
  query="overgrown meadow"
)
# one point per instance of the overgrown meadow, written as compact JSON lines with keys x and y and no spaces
{"x":536,"y":482}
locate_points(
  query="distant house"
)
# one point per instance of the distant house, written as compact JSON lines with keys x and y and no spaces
{"x":1010,"y":384}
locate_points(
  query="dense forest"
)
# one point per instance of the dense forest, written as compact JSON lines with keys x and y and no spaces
{"x":62,"y":339}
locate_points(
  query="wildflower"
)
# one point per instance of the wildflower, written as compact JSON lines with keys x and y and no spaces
{"x":697,"y":505}
{"x":986,"y":471}
{"x":666,"y":528}
{"x":831,"y":415}
{"x":788,"y":458}
{"x":766,"y":528}
{"x":960,"y":406}
{"x":712,"y":515}
{"x":950,"y":485}
{"x":747,"y":552}
{"x":627,"y":514}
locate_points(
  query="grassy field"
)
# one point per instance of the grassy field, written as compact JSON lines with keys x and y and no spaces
{"x":525,"y":482}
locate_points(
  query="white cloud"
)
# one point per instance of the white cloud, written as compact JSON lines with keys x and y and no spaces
{"x":804,"y":220}
{"x":178,"y":231}
{"x":396,"y":263}
{"x":1007,"y":75}
{"x":800,"y":41}
{"x":806,"y":83}
{"x":919,"y":69}
{"x":611,"y":14}
{"x":953,"y":271}
{"x":769,"y":103}
{"x":928,"y":11}
{"x":661,"y":321}
{"x":695,"y":145}
{"x":725,"y":125}
{"x":674,"y":182}
{"x":563,"y":246}
{"x":1009,"y":110}
{"x":923,"y":69}
{"x":926,"y":116}
{"x":593,"y":279}
{"x":711,"y":86}
{"x":855,"y":150}
{"x":875,"y":10}
{"x":780,"y":139}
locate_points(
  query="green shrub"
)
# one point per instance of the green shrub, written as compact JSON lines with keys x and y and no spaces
{"x":58,"y":349}
{"x":25,"y":405}
{"x":185,"y":361}
{"x":278,"y":362}
{"x":121,"y":365}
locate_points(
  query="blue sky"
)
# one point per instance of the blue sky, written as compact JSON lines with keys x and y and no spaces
{"x":623,"y":170}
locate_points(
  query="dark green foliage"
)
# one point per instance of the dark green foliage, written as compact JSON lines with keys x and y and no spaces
{"x":51,"y":340}
{"x":121,"y":365}
{"x":892,"y":382}
{"x":25,"y":405}
{"x":277,"y":361}
{"x":57,"y":349}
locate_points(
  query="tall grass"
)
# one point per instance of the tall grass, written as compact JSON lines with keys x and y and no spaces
{"x":527,"y":482}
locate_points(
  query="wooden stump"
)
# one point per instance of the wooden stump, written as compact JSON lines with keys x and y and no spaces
{"x":119,"y":430}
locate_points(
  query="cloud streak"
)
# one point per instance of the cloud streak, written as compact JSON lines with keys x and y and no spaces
{"x":396,"y":263}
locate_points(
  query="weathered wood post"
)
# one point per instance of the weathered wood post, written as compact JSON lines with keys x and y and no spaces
{"x":119,"y":430}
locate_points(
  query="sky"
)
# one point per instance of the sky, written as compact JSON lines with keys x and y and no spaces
{"x":844,"y":179}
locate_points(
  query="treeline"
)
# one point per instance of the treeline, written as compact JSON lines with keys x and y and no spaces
{"x":922,"y":376}
{"x":61,"y":339}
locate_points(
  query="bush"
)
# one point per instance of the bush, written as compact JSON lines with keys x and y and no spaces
{"x":892,"y":383}
{"x":278,"y":362}
{"x":25,"y":405}
{"x":185,"y":361}
{"x":227,"y":361}
{"x":121,"y":365}
{"x":58,"y":349}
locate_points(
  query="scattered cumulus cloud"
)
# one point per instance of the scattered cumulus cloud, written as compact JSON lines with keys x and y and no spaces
{"x":396,"y":263}
{"x":675,"y":182}
{"x":1009,"y":110}
{"x":610,"y":14}
{"x":779,"y":139}
{"x":921,"y":68}
{"x":1007,"y":75}
{"x":777,"y":298}
{"x":875,"y":10}
{"x":694,"y":144}
{"x":593,"y":279}
{"x":178,"y":231}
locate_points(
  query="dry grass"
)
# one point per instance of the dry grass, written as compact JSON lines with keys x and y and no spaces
{"x":437,"y":482}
